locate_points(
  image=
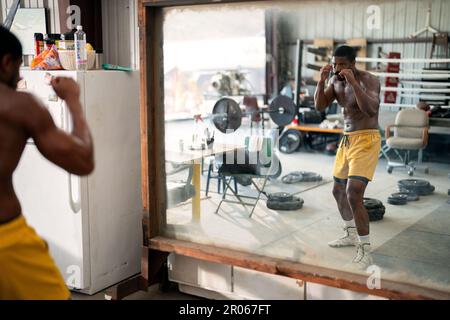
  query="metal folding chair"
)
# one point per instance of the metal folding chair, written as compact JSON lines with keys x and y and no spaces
{"x":266,"y":163}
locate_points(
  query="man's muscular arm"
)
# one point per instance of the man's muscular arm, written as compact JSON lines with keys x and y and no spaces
{"x":368,"y":100}
{"x":73,"y":152}
{"x":323,"y":97}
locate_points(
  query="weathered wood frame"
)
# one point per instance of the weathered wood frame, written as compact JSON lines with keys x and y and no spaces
{"x":156,"y":247}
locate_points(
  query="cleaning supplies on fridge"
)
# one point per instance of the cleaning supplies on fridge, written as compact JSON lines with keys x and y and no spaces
{"x":107,"y":66}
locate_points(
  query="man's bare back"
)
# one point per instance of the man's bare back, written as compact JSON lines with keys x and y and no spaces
{"x":13,"y":108}
{"x":23,"y":117}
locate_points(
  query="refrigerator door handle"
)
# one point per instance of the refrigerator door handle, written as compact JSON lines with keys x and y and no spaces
{"x":75,"y":205}
{"x":63,"y":116}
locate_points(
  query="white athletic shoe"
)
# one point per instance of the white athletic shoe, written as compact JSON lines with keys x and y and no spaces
{"x":363,"y":257}
{"x":349,"y":239}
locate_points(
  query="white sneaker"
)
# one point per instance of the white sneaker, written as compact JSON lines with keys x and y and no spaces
{"x":348,"y":240}
{"x":363,"y":257}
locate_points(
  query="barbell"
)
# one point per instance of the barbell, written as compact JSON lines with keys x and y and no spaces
{"x":227,"y":115}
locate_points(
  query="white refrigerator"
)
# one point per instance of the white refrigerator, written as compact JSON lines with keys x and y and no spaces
{"x":92,"y":224}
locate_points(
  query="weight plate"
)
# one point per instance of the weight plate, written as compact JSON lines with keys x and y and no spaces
{"x":282,"y":110}
{"x":399,"y":196}
{"x":430,"y":190}
{"x":410,"y":196}
{"x":290,"y":141}
{"x":227,"y":115}
{"x":420,"y":191}
{"x":376,"y":214}
{"x":413,"y":183}
{"x":280,"y":196}
{"x":275,"y":175}
{"x":372,"y":203}
{"x":397,"y":201}
{"x":380,"y":210}
{"x":301,"y":176}
{"x":295,"y":204}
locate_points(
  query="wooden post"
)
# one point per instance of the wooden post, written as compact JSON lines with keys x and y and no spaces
{"x":152,"y":133}
{"x":152,"y":119}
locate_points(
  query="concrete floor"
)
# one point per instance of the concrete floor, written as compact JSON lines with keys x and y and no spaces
{"x":411,"y":244}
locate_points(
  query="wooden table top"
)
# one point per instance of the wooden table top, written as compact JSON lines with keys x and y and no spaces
{"x":315,"y":128}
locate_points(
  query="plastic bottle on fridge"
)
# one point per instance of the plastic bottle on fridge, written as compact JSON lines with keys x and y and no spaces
{"x":80,"y":49}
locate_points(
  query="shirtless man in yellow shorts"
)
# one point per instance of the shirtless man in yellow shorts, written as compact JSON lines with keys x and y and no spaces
{"x":26,"y":269}
{"x":358,"y":93}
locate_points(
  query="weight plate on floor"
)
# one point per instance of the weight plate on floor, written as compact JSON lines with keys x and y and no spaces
{"x":429,"y":190}
{"x":275,"y":175}
{"x":420,"y":191}
{"x":380,"y":210}
{"x":399,"y":196}
{"x":376,"y":214}
{"x":295,"y":204}
{"x":280,"y":196}
{"x":370,"y":203}
{"x":410,"y":196}
{"x":397,"y":201}
{"x":413,"y":183}
{"x":301,"y":176}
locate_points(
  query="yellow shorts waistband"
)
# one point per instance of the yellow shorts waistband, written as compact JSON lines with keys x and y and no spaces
{"x":12,"y":232}
{"x":362,"y":132}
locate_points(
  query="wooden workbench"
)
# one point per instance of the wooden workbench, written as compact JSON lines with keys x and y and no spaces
{"x":315,"y":128}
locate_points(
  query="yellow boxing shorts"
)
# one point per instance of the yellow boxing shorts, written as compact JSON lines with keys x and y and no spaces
{"x":357,"y":156}
{"x":27,"y":272}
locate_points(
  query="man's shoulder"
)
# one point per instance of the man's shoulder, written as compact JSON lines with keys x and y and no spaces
{"x":368,"y":75}
{"x":21,"y":105}
{"x":369,"y":78}
{"x":24,"y":100}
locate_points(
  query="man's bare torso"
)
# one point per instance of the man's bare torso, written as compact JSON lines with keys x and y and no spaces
{"x":354,"y":118}
{"x":12,"y":144}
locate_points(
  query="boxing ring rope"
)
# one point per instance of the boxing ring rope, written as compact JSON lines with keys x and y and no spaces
{"x":406,"y":60}
{"x":424,"y":71}
{"x":413,"y":77}
{"x":399,"y":105}
{"x":427,"y":84}
{"x":398,"y":89}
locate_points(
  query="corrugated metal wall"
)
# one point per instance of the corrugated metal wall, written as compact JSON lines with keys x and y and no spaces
{"x":348,"y":19}
{"x":120,"y":32}
{"x":307,"y":20}
{"x":342,"y":20}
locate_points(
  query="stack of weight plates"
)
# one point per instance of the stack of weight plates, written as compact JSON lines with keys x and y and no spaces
{"x":375,"y":209}
{"x":301,"y":176}
{"x":284,"y":202}
{"x":398,"y":199}
{"x":419,"y":187}
{"x":410,"y":190}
